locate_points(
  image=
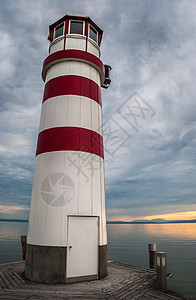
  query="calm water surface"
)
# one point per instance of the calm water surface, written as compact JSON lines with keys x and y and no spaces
{"x":129,"y":243}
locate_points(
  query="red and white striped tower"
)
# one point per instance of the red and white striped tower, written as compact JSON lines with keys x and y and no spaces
{"x":67,"y":238}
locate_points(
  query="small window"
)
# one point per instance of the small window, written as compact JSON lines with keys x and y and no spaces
{"x":76,"y":27}
{"x":93,"y":33}
{"x":59,"y":30}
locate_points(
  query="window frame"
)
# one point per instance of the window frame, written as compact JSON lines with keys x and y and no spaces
{"x":81,"y":21}
{"x":90,"y":25}
{"x":63,"y":23}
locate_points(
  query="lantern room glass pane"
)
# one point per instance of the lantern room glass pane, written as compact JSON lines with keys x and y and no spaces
{"x":59,"y":30}
{"x":93,"y":33}
{"x":76,"y":27}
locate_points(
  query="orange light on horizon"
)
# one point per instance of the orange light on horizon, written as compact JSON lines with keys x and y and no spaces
{"x":12,"y":208}
{"x":187,"y":231}
{"x":188,"y":215}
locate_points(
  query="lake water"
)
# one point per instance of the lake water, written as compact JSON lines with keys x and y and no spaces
{"x":129,"y":244}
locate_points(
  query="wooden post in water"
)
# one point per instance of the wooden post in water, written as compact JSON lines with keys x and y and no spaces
{"x":152,"y":255}
{"x":161,"y":271}
{"x":23,"y":243}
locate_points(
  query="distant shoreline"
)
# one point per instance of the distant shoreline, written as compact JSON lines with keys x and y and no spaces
{"x":151,"y":222}
{"x":117,"y":222}
{"x":14,"y":220}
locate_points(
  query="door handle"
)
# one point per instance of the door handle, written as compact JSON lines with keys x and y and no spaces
{"x":70,"y":247}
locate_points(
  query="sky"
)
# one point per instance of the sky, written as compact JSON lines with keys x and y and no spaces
{"x":149,"y":110}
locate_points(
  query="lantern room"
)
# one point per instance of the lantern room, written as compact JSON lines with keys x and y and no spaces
{"x":71,"y":32}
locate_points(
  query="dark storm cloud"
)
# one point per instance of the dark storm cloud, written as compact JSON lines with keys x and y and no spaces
{"x":151,"y":48}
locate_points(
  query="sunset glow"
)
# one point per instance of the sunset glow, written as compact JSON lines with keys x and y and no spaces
{"x":12,"y":208}
{"x":188,"y":215}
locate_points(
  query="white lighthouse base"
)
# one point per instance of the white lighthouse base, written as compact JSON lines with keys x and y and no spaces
{"x":48,"y":264}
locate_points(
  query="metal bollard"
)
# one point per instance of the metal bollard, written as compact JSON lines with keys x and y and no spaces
{"x":152,"y":255}
{"x":161,"y":271}
{"x":23,"y":243}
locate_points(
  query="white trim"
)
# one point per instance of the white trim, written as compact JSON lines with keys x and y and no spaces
{"x":75,"y":36}
{"x":76,"y":33}
{"x":93,"y":43}
{"x":54,"y":38}
{"x":89,"y":34}
{"x":58,"y":39}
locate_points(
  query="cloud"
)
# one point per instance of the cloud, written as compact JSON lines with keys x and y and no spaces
{"x":151,"y":48}
{"x":13,"y":211}
{"x":7,"y":52}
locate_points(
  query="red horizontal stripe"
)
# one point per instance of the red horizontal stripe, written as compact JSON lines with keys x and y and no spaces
{"x":77,"y":55}
{"x":72,"y":85}
{"x":70,"y":139}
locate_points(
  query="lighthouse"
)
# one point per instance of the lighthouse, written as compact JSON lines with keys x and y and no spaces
{"x":67,"y":238}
